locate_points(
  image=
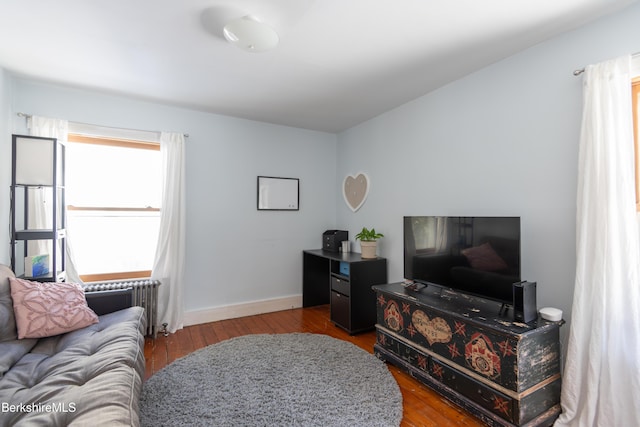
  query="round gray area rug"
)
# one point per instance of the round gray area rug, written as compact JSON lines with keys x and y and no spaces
{"x":274,"y":380}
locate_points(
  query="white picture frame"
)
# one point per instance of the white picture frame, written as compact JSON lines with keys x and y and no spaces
{"x":278,"y":194}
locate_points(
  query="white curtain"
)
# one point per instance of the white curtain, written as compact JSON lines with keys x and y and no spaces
{"x":49,"y":128}
{"x":168,"y":266}
{"x":41,"y":202}
{"x":601,"y":381}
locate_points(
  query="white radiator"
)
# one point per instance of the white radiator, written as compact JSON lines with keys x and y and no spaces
{"x":145,"y":295}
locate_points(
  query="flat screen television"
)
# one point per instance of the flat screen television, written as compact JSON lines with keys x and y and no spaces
{"x":475,"y":255}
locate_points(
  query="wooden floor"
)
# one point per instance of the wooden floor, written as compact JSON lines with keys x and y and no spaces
{"x":421,"y":406}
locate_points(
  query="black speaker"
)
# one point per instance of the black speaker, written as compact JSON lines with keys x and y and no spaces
{"x":524,"y":302}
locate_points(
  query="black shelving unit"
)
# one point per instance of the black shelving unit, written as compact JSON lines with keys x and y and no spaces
{"x":37,"y":183}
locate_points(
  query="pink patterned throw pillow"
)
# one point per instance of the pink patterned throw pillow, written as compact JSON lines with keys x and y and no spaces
{"x":47,"y":309}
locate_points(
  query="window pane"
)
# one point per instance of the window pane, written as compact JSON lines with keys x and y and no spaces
{"x":100,"y":175}
{"x":112,"y":241}
{"x":108,"y":242}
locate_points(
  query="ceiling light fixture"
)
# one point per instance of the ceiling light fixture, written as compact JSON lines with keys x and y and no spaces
{"x":250,"y":34}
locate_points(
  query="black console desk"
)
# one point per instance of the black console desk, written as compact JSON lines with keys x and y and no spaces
{"x":343,"y":280}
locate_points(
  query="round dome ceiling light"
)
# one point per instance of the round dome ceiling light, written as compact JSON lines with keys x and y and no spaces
{"x":251,"y":35}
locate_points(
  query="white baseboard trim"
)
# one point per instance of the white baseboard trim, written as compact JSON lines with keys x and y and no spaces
{"x":214,"y":314}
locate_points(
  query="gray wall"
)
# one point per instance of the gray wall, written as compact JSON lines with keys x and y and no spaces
{"x":502,"y":141}
{"x":235,"y":254}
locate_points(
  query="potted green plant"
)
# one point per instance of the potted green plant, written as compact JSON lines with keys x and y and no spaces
{"x":368,"y":242}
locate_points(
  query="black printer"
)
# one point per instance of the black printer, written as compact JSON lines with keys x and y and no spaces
{"x":332,"y":239}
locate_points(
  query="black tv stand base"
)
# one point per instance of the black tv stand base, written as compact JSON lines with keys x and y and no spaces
{"x":504,"y":309}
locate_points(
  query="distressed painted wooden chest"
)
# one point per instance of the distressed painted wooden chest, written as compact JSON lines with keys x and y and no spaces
{"x":471,"y":351}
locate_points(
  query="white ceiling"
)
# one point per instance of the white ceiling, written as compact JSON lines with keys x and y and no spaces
{"x":339,"y":62}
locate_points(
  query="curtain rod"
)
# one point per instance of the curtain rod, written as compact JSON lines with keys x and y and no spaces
{"x":580,"y":71}
{"x":28,"y":116}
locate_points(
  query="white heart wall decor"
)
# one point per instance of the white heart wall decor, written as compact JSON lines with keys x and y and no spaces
{"x":355,"y":190}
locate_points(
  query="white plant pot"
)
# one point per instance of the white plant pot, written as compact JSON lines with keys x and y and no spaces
{"x":368,"y":249}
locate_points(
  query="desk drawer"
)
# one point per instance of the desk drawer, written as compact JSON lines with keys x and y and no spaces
{"x":341,"y":285}
{"x":340,"y":312}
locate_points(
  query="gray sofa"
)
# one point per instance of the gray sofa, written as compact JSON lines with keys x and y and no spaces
{"x":89,"y":377}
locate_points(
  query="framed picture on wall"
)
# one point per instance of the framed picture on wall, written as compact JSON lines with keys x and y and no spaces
{"x":278,"y":194}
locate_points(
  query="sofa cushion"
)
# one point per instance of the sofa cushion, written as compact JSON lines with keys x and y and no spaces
{"x":12,"y":351}
{"x":7,"y":319}
{"x":91,"y":376}
{"x":47,"y":309}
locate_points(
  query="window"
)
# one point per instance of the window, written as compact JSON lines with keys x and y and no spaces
{"x":113,"y":206}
